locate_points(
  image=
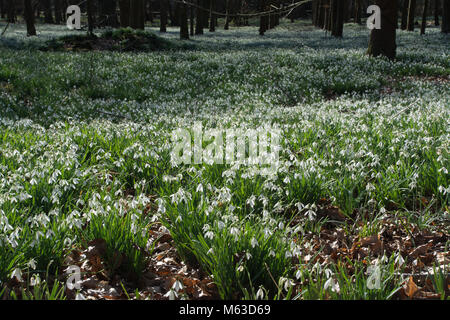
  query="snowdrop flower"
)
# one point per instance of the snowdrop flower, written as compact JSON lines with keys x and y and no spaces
{"x":260,"y":294}
{"x":254,"y":242}
{"x":17,"y":273}
{"x":32,"y":264}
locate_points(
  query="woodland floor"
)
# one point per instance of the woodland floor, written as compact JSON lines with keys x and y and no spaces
{"x":357,"y":208}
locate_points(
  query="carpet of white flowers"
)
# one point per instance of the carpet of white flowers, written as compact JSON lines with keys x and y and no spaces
{"x":362,"y":180}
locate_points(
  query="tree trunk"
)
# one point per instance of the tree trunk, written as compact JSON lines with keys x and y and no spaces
{"x":445,"y":27}
{"x":424,"y":17}
{"x":163,"y":16}
{"x":29,"y":17}
{"x":321,"y":17}
{"x":11,"y":14}
{"x":411,"y":14}
{"x":137,"y":14}
{"x":212,"y":18}
{"x":48,"y":17}
{"x":124,"y":6}
{"x":184,"y":28}
{"x":2,"y":9}
{"x":263,"y":20}
{"x":405,"y":5}
{"x":227,"y":15}
{"x":90,"y":14}
{"x":358,"y":11}
{"x":58,"y":12}
{"x":199,"y":20}
{"x":383,"y":41}
{"x":191,"y":21}
{"x":437,"y":5}
{"x":148,"y":11}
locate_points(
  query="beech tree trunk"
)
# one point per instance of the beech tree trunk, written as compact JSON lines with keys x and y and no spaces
{"x":48,"y":17}
{"x":124,"y":6}
{"x":163,"y":17}
{"x":90,"y":14}
{"x":437,"y":5}
{"x":184,"y":28}
{"x":58,"y":11}
{"x":191,"y":21}
{"x":11,"y":14}
{"x":227,"y":15}
{"x":337,"y":18}
{"x":411,"y":14}
{"x":383,"y":41}
{"x":424,"y":17}
{"x":137,"y":14}
{"x":358,"y":11}
{"x":405,"y":5}
{"x":445,"y":27}
{"x":212,"y":18}
{"x":29,"y":17}
{"x":199,"y":20}
{"x":263,"y":20}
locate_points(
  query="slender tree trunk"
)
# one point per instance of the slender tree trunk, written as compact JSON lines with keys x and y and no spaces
{"x":199,"y":20}
{"x":358,"y":11}
{"x":191,"y":21}
{"x":437,"y":5}
{"x":445,"y":27}
{"x":29,"y":17}
{"x":163,"y":18}
{"x":212,"y":18}
{"x":137,"y":14}
{"x":184,"y":28}
{"x":321,"y":18}
{"x":148,"y":11}
{"x":48,"y":17}
{"x":424,"y":17}
{"x":2,"y":9}
{"x":58,"y":13}
{"x":263,"y":20}
{"x":404,"y":8}
{"x":227,"y":15}
{"x":411,"y":14}
{"x":11,"y":14}
{"x":90,"y":14}
{"x":383,"y":41}
{"x":124,"y":6}
{"x":314,"y":12}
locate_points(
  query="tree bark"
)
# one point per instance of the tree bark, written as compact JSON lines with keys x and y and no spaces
{"x":263,"y":20}
{"x":29,"y":17}
{"x":2,"y":8}
{"x":383,"y":41}
{"x":90,"y":14}
{"x":58,"y":12}
{"x":227,"y":15}
{"x":405,"y":5}
{"x":11,"y":14}
{"x":163,"y":16}
{"x":212,"y":18}
{"x":424,"y":17}
{"x":358,"y":12}
{"x":191,"y":21}
{"x":137,"y":14}
{"x":124,"y":7}
{"x":48,"y":17}
{"x":411,"y":14}
{"x":184,"y":28}
{"x":445,"y":27}
{"x":199,"y":20}
{"x":437,"y":5}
